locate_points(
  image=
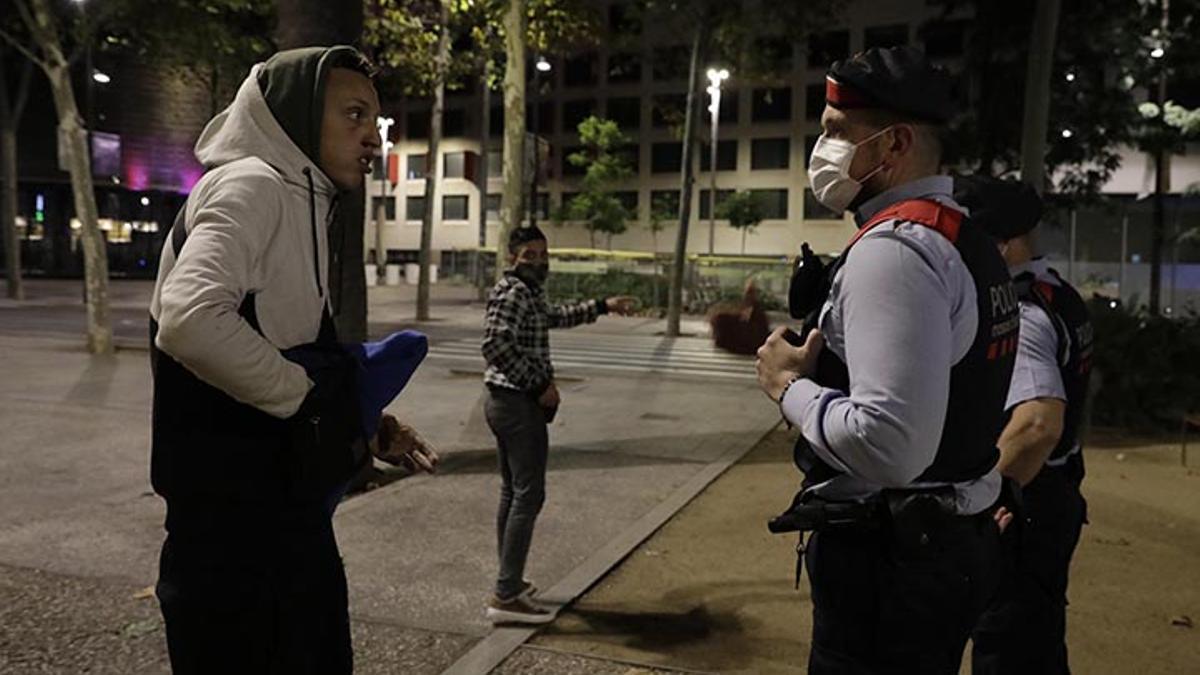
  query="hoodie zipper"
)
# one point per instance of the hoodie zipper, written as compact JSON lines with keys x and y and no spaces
{"x":312,"y":216}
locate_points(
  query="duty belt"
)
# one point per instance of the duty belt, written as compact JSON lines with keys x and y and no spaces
{"x":915,"y":518}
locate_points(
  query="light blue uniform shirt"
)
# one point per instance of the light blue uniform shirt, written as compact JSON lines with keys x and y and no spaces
{"x":901,"y":313}
{"x":1037,"y":372}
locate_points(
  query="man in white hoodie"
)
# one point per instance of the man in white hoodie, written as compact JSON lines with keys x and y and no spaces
{"x":256,"y":426}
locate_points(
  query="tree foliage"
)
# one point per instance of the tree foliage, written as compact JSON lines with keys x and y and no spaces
{"x":744,"y":211}
{"x":1103,"y":67}
{"x":214,"y":40}
{"x":605,"y":168}
{"x":401,"y":36}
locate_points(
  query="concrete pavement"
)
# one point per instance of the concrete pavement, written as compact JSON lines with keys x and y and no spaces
{"x":79,"y":524}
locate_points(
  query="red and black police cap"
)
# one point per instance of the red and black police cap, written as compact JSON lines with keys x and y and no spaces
{"x":899,"y":79}
{"x":1005,"y":209}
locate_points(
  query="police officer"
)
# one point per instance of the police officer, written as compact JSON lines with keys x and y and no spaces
{"x":1024,"y":630}
{"x":898,"y":386}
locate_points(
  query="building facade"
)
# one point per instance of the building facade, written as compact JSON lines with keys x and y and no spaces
{"x":765,"y":133}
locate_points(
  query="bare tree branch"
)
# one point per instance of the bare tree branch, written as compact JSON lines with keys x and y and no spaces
{"x":27,"y":18}
{"x":22,"y":90}
{"x":21,"y":48}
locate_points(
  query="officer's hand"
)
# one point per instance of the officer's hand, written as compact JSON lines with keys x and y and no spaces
{"x":622,"y":305}
{"x":400,"y":445}
{"x":779,"y":362}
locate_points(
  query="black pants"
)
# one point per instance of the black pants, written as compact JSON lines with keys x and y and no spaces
{"x":519,"y":424}
{"x":1024,"y":631}
{"x":879,"y":606}
{"x":245,"y":599}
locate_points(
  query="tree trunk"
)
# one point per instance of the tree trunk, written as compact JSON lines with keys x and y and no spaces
{"x":675,"y":296}
{"x":485,"y":133}
{"x":72,"y":138}
{"x":1158,"y":227}
{"x":380,"y":221}
{"x":514,"y":129}
{"x":8,"y":200}
{"x":11,"y":108}
{"x":305,"y":23}
{"x":1161,"y":176}
{"x":1037,"y":94}
{"x":95,"y":253}
{"x":744,"y":241}
{"x":433,"y":164}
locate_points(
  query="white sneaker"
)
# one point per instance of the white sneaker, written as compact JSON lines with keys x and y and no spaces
{"x":517,"y":610}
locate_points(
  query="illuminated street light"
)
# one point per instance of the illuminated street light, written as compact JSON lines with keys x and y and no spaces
{"x":100,"y":77}
{"x":715,"y":78}
{"x":542,"y":65}
{"x":1157,"y":53}
{"x":1070,"y":77}
{"x":1066,"y":133}
{"x":384,"y":124}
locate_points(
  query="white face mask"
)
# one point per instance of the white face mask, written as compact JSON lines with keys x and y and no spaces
{"x":829,"y":171}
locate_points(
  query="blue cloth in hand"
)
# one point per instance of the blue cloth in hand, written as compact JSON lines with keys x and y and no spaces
{"x":387,"y":366}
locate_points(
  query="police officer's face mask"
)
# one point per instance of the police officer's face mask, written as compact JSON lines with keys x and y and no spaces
{"x":829,"y":171}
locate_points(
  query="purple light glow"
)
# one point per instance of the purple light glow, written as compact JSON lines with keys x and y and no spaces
{"x":188,"y":178}
{"x":136,"y":175}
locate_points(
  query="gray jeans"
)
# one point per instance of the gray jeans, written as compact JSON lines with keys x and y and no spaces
{"x":520,"y":428}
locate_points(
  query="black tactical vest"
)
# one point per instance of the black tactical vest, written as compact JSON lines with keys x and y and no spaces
{"x":1073,"y":328}
{"x":978,"y":383}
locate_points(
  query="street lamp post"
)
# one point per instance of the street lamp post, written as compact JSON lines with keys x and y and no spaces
{"x":715,"y":78}
{"x":384,"y":124}
{"x":539,"y":67}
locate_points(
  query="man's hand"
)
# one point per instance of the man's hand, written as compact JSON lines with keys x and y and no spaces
{"x":550,"y":397}
{"x":1003,"y":518}
{"x":400,"y":445}
{"x":622,"y":304}
{"x":780,"y":363}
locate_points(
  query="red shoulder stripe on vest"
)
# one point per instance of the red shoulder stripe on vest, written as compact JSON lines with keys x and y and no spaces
{"x":1046,"y":289}
{"x":934,"y":215}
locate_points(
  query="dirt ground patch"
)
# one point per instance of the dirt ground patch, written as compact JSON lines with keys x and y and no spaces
{"x":713,"y":591}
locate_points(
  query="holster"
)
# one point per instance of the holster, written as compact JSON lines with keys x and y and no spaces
{"x":811,"y":514}
{"x":920,"y":518}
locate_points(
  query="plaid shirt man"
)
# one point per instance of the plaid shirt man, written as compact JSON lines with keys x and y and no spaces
{"x":516,"y":340}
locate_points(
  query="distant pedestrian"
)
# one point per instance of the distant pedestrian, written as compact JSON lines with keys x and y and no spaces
{"x":522,"y":400}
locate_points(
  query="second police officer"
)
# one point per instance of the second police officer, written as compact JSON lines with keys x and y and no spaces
{"x":1024,"y":631}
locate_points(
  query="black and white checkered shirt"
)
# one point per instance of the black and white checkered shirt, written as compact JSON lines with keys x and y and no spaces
{"x":516,"y":340}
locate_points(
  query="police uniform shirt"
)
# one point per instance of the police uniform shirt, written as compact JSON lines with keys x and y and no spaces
{"x":1036,"y":373}
{"x":900,"y":314}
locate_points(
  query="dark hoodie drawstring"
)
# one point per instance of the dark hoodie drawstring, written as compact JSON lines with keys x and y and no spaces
{"x":312,"y":216}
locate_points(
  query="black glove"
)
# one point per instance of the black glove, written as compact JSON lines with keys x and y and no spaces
{"x":808,"y":280}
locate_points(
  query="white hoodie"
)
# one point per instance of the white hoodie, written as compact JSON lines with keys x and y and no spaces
{"x":250,"y":230}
